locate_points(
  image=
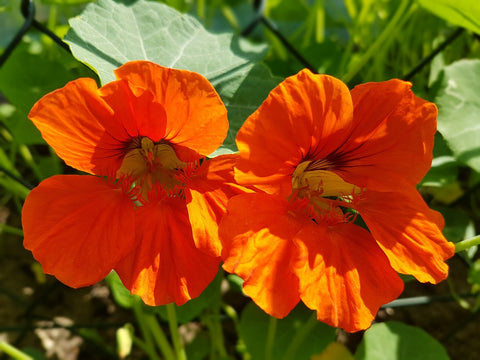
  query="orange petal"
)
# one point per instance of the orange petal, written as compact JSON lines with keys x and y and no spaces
{"x":135,"y":113}
{"x":196,"y":116}
{"x":165,"y":266}
{"x":306,"y":115}
{"x":391,"y":144}
{"x":344,"y":275}
{"x":72,"y":120}
{"x":78,"y":227}
{"x":208,"y":192}
{"x":408,"y":233}
{"x":257,"y":234}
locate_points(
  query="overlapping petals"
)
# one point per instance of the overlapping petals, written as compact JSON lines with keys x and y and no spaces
{"x":323,"y":156}
{"x":146,"y":136}
{"x":284,"y":257}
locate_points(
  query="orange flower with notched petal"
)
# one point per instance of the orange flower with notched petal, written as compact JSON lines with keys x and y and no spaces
{"x":322,"y":155}
{"x":145,"y":137}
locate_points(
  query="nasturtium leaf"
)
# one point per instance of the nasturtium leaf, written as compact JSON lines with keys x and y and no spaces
{"x":464,"y":13}
{"x":194,"y":307}
{"x":397,"y":341}
{"x":459,"y":111}
{"x":254,"y":325}
{"x":444,"y":168}
{"x":120,"y":293}
{"x":108,"y":34}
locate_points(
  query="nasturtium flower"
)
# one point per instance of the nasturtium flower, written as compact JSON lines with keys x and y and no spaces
{"x":322,"y":157}
{"x":143,"y":140}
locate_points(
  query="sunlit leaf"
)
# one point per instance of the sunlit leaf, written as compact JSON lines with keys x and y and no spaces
{"x":108,"y":34}
{"x":464,"y":13}
{"x":459,"y":111}
{"x":397,"y":341}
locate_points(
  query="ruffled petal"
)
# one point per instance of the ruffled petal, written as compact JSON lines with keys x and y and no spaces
{"x":196,"y":117}
{"x":165,"y":266}
{"x":207,"y":194}
{"x":305,"y":116}
{"x":78,"y":227}
{"x":344,"y":275}
{"x":256,"y":235}
{"x":72,"y":121}
{"x":409,"y":233}
{"x":391,"y":144}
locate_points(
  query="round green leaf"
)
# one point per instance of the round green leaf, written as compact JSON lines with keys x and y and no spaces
{"x":396,"y":341}
{"x":459,"y":111}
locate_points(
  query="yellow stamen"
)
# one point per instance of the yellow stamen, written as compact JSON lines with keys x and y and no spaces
{"x":312,"y":183}
{"x":151,"y":163}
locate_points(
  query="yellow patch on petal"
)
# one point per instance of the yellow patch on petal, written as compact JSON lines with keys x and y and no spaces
{"x":306,"y":178}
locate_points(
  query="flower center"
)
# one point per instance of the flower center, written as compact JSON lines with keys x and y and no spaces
{"x":310,"y":181}
{"x":149,"y":164}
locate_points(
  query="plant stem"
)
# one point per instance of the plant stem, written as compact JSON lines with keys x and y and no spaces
{"x":13,"y":352}
{"x":144,"y":328}
{"x":160,"y":338}
{"x":467,"y":243}
{"x":381,"y":41}
{"x":272,"y":328}
{"x":177,"y":342}
{"x":10,"y":230}
{"x":290,"y":354}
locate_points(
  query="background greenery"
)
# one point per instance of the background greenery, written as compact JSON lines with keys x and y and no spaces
{"x":244,"y":49}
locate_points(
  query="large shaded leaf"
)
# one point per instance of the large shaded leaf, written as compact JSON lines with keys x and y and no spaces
{"x":254,"y":328}
{"x":108,"y":34}
{"x":397,"y":341}
{"x":464,"y":13}
{"x":459,"y":111}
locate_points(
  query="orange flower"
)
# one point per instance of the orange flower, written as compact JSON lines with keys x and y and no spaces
{"x":322,"y":155}
{"x":145,"y":137}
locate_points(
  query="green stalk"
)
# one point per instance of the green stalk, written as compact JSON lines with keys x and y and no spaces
{"x":272,"y":329}
{"x":467,"y":243}
{"x":11,"y":230}
{"x":381,"y":42}
{"x":144,"y":328}
{"x":173,"y":324}
{"x":300,"y":337}
{"x":14,"y":352}
{"x":160,"y":338}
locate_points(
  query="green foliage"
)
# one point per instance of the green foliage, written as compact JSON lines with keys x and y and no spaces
{"x":254,"y":329}
{"x":358,"y":40}
{"x":459,"y":110}
{"x":465,"y":13}
{"x":397,"y":341}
